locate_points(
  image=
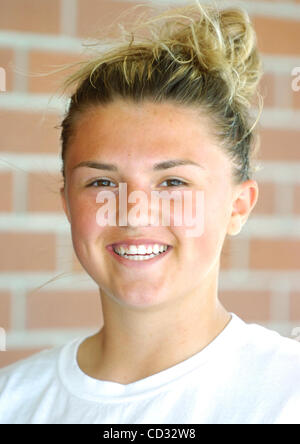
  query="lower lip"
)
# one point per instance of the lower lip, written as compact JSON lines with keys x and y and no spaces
{"x":137,"y":263}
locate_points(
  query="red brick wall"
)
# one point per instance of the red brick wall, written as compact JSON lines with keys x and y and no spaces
{"x":259,"y":279}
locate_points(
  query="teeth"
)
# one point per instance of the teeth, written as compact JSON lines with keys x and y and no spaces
{"x":155,"y":249}
{"x":138,"y":252}
{"x":141,"y":249}
{"x":132,"y":249}
{"x":139,"y":258}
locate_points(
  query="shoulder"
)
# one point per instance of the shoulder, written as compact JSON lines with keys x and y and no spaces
{"x":29,"y":386}
{"x":269,"y":343}
{"x":264,"y":367}
{"x":31,"y":369}
{"x":25,"y":383}
{"x":271,"y":356}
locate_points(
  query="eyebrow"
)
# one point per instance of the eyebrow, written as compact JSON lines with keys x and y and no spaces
{"x":156,"y":167}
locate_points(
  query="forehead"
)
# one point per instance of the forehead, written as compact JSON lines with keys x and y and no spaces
{"x":146,"y":132}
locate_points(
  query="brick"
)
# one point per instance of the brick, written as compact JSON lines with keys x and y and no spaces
{"x":64,"y":309}
{"x":251,"y":306}
{"x":295,"y":306}
{"x":10,"y":356}
{"x":274,"y":254}
{"x":45,"y":62}
{"x":95,"y":16}
{"x":7,"y":60}
{"x":279,"y":145}
{"x":29,"y":132}
{"x":31,"y":16}
{"x":234,"y":253}
{"x":297,"y":199}
{"x":27,"y":251}
{"x":238,"y":252}
{"x":266,"y":199}
{"x":277,"y":35}
{"x":43,"y":192}
{"x":6,"y":187}
{"x":5,"y":304}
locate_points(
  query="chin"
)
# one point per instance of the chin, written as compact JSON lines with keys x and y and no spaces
{"x":139,"y":298}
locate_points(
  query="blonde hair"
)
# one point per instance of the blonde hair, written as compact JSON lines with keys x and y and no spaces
{"x":197,"y":56}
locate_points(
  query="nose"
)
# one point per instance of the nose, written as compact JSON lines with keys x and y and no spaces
{"x":138,"y":207}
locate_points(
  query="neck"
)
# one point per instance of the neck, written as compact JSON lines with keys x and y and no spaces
{"x":134,"y":344}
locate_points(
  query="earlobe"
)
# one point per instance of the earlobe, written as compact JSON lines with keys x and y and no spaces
{"x":64,"y":203}
{"x":245,"y":200}
{"x":235,"y":225}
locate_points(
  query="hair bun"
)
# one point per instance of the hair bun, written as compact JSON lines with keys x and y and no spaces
{"x":241,"y":52}
{"x":223,"y":42}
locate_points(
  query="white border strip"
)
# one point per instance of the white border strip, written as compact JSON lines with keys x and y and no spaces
{"x":279,"y":64}
{"x":269,"y":227}
{"x":283,"y":9}
{"x":34,"y":223}
{"x":279,"y":118}
{"x":46,"y":42}
{"x":279,"y":172}
{"x":33,"y":102}
{"x":257,"y":280}
{"x":30,"y":162}
{"x":44,"y":338}
{"x":59,"y":280}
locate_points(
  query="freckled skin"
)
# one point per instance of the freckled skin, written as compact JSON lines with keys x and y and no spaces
{"x":179,"y":292}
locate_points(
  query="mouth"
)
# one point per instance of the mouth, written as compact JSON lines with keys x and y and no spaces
{"x":139,"y":253}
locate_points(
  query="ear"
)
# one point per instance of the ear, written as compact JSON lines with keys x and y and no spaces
{"x":64,"y":203}
{"x":245,"y":198}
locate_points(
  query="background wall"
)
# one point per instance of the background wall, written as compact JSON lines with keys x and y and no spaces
{"x":259,"y":278}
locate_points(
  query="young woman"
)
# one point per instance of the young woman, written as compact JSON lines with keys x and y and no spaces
{"x":161,"y":114}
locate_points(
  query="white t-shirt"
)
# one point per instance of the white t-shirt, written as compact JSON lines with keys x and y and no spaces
{"x":247,"y":375}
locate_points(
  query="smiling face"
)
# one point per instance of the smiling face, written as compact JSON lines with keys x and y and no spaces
{"x":134,"y":138}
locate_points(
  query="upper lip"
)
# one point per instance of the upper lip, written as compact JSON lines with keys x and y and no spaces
{"x":139,"y":241}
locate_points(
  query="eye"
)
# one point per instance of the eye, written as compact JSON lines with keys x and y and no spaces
{"x":104,"y":183}
{"x":175,"y":180}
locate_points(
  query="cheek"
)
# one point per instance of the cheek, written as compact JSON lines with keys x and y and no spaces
{"x":212,"y":217}
{"x":84,"y":225}
{"x":217,"y":208}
